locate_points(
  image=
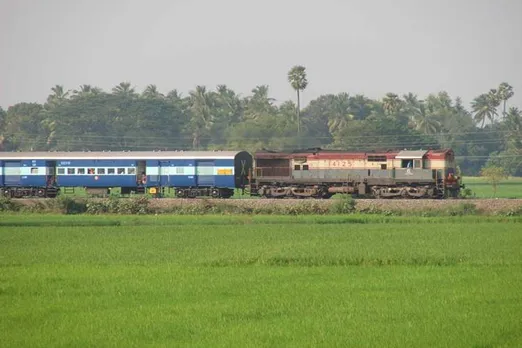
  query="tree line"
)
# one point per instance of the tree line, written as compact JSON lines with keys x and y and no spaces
{"x":488,"y":133}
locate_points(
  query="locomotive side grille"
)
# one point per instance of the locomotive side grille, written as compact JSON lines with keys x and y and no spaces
{"x":265,"y":172}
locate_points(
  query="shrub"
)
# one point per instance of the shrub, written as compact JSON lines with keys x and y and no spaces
{"x":7,"y":204}
{"x":465,"y":193}
{"x":66,"y":205}
{"x":345,"y":205}
{"x":463,"y":209}
{"x":304,"y":208}
{"x":113,"y":205}
{"x":511,"y":212}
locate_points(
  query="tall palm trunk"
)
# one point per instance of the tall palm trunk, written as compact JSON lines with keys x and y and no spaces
{"x":298,"y":114}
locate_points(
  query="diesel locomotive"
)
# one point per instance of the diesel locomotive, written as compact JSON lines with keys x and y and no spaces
{"x":312,"y":173}
{"x":322,"y":173}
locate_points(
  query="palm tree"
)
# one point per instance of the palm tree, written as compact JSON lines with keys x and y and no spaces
{"x":227,"y":97}
{"x":151,"y":92}
{"x":494,"y":97}
{"x":174,"y":94}
{"x":361,"y":106}
{"x":58,"y":96}
{"x":513,"y":126}
{"x":260,"y":93}
{"x":410,"y":99}
{"x":424,"y":119}
{"x":228,"y":103}
{"x":86,"y":90}
{"x":411,"y":106}
{"x":298,"y":81}
{"x":442,"y":101}
{"x":484,"y":108}
{"x":259,"y":103}
{"x":200,"y":112}
{"x":123,"y":89}
{"x":505,"y":92}
{"x":341,"y":113}
{"x":391,"y":103}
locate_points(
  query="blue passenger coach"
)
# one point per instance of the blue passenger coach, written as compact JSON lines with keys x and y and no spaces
{"x":190,"y":173}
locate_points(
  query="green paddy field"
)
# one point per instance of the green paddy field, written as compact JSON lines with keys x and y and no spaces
{"x":481,"y":188}
{"x":260,"y":281}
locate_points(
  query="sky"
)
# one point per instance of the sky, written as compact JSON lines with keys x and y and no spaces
{"x":372,"y":47}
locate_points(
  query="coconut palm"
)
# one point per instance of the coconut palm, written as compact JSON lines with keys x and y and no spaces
{"x":425,"y":120}
{"x":361,"y":107}
{"x":341,"y":113}
{"x":259,"y":103}
{"x":513,"y":125}
{"x":151,"y":92}
{"x":58,"y":96}
{"x":123,"y":89}
{"x":505,"y":92}
{"x":391,"y":103}
{"x":484,"y":107}
{"x":200,"y":114}
{"x":86,"y":90}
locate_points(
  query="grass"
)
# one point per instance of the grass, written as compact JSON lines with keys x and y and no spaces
{"x":57,"y":220}
{"x":225,"y":281}
{"x":481,"y":188}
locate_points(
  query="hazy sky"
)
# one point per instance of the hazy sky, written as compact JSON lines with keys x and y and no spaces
{"x":369,"y":47}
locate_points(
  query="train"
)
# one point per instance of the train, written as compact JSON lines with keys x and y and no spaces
{"x":311,"y":173}
{"x":321,"y":173}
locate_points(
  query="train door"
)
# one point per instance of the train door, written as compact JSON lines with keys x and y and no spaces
{"x":50,"y":173}
{"x":164,"y":173}
{"x":141,"y":173}
{"x":205,"y":173}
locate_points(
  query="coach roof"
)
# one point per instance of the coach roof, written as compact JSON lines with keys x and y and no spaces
{"x":111,"y":155}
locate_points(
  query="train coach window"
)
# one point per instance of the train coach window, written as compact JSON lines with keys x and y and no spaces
{"x":111,"y":171}
{"x":297,"y":167}
{"x":121,"y":170}
{"x":383,"y":166}
{"x":417,"y":163}
{"x":34,"y":170}
{"x":90,"y":171}
{"x":81,"y":171}
{"x":305,"y":166}
{"x":61,"y":171}
{"x":70,"y":171}
{"x":179,"y":170}
{"x":131,"y":171}
{"x":101,"y":171}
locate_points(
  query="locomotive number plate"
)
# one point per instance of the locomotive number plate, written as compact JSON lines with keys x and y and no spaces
{"x":340,"y":163}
